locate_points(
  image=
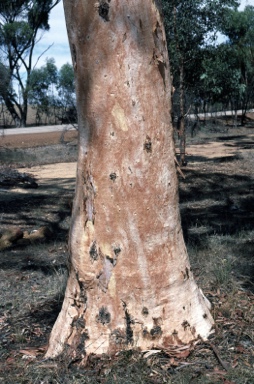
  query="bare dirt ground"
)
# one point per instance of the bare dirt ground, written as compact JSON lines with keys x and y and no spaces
{"x":226,"y":147}
{"x":217,"y":210}
{"x":35,"y":140}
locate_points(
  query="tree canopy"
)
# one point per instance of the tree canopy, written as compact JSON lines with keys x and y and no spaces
{"x":20,"y":24}
{"x":52,"y":93}
{"x":190,"y":25}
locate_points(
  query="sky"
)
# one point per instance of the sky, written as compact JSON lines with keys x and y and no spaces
{"x":58,"y":37}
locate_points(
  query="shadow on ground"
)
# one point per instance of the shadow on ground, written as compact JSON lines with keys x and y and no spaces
{"x":30,"y":212}
{"x":216,"y":200}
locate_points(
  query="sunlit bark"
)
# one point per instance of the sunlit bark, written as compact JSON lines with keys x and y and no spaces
{"x":130,"y":283}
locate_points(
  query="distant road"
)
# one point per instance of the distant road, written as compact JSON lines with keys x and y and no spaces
{"x":218,"y":114}
{"x":43,"y":129}
{"x":69,"y":127}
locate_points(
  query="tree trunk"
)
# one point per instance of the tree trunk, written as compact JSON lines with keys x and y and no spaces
{"x":11,"y":108}
{"x":182,"y":132}
{"x":130,"y":283}
{"x":24,"y":109}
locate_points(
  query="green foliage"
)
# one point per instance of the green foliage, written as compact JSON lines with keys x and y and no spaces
{"x":189,"y":25}
{"x":52,"y":92}
{"x":20,"y":22}
{"x":204,"y":72}
{"x":40,"y":93}
{"x":221,"y":76}
{"x":228,"y":74}
{"x":4,"y":77}
{"x":42,"y":78}
{"x":39,"y":14}
{"x":66,"y":94}
{"x":16,"y":35}
{"x":66,"y":83}
{"x":239,"y":26}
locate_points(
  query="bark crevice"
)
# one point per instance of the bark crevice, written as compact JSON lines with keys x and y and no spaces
{"x":129,"y":321}
{"x":103,"y":10}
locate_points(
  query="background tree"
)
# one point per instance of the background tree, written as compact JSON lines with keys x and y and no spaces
{"x":189,"y":24}
{"x":66,"y":95}
{"x":20,"y":23}
{"x":41,"y":94}
{"x":7,"y":95}
{"x":52,"y":93}
{"x":130,"y":284}
{"x":239,"y":30}
{"x":221,"y":77}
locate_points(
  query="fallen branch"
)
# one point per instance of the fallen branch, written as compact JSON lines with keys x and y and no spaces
{"x":217,"y":355}
{"x":178,"y":168}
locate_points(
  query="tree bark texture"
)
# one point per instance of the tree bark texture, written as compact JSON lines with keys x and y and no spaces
{"x":130,"y":282}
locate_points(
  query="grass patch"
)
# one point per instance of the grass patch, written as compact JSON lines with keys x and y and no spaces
{"x":48,"y":154}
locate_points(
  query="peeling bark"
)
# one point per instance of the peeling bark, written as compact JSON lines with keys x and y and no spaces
{"x":130,"y":283}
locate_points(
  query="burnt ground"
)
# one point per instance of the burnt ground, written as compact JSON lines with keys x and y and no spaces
{"x":217,"y":209}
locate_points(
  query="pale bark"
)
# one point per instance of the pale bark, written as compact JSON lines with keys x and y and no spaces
{"x":130,"y":283}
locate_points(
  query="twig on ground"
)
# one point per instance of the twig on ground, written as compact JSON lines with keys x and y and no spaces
{"x":178,"y":168}
{"x":217,"y":355}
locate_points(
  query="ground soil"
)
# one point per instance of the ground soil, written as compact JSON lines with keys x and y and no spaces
{"x":36,"y":139}
{"x":217,"y":210}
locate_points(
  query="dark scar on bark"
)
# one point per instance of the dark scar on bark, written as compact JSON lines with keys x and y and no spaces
{"x":145,"y":311}
{"x":117,"y":336}
{"x":148,"y":144}
{"x":117,"y":250}
{"x":74,"y":56}
{"x":110,"y":259}
{"x":162,"y":68}
{"x":113,"y":176}
{"x":79,"y":323}
{"x":82,"y":299}
{"x":93,"y":251}
{"x":104,"y":10}
{"x":81,"y":346}
{"x":156,"y":331}
{"x":104,"y":316}
{"x":185,"y":324}
{"x":129,"y":321}
{"x":186,"y":274}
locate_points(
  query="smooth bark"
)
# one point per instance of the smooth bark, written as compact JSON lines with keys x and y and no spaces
{"x":130,"y":282}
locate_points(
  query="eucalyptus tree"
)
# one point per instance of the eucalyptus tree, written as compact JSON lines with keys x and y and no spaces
{"x":239,"y":30}
{"x":5,"y":93}
{"x":190,"y":24}
{"x":130,"y":284}
{"x":21,"y":22}
{"x":41,"y":93}
{"x":66,"y":94}
{"x":221,"y":76}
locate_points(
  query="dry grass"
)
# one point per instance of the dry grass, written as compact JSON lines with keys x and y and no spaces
{"x":217,"y":208}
